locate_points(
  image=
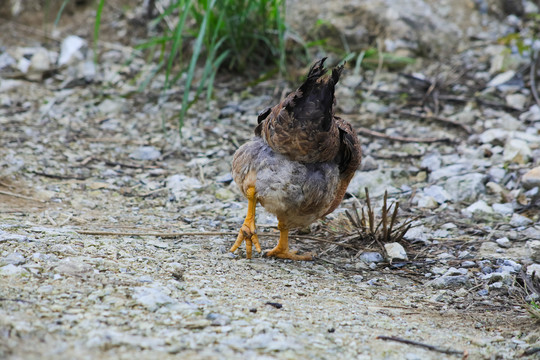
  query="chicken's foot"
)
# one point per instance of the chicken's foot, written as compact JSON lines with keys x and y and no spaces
{"x":248,"y":230}
{"x":282,"y":248}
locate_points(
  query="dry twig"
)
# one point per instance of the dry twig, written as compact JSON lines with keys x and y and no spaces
{"x":464,"y":354}
{"x":534,"y":90}
{"x":368,"y":132}
{"x":440,"y":119}
{"x":7,"y":193}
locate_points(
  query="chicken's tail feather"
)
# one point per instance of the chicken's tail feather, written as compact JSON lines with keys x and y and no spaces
{"x":314,"y":100}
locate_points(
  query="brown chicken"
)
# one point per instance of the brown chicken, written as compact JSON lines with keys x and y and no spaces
{"x":299,"y":163}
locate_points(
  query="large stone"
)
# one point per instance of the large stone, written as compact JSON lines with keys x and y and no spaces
{"x":395,"y":251}
{"x":534,"y":249}
{"x":465,"y":187}
{"x":517,"y":151}
{"x":531,"y":178}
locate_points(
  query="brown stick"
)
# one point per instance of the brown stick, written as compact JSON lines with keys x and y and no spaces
{"x":533,"y":77}
{"x":437,"y":118}
{"x":20,"y":196}
{"x":203,"y":233}
{"x":448,"y":351}
{"x":61,"y":177}
{"x":373,"y":133}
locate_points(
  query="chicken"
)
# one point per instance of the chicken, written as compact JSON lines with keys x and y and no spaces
{"x":299,"y":163}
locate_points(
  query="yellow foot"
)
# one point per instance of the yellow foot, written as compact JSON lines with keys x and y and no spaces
{"x":247,"y":234}
{"x":287,"y":254}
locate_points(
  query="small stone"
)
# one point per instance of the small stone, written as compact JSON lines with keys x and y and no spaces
{"x":438,"y":193}
{"x":454,"y":271}
{"x":6,"y":236}
{"x":69,"y":50}
{"x":531,"y":178}
{"x":465,"y":187}
{"x":495,"y":136}
{"x":468,"y":264}
{"x":369,"y":164}
{"x":494,"y":188}
{"x":516,"y":101}
{"x":427,"y":202}
{"x":501,"y":78}
{"x":479,"y":206}
{"x":503,"y":209}
{"x":371,"y":257}
{"x":504,"y":242}
{"x":431,"y":162}
{"x":73,"y":267}
{"x":533,"y":271}
{"x":12,"y":270}
{"x":517,"y":151}
{"x":218,"y":319}
{"x":518,"y":220}
{"x":534,"y":249}
{"x":508,"y":265}
{"x":450,"y":281}
{"x":395,"y":251}
{"x":151,"y":297}
{"x":14,"y":258}
{"x":145,"y":153}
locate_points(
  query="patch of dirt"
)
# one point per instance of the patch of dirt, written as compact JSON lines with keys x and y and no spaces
{"x":95,"y":157}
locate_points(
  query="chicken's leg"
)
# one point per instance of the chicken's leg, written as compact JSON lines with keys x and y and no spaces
{"x":282,"y":248}
{"x":248,"y":231}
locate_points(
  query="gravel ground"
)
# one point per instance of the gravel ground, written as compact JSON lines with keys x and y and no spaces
{"x":82,"y":152}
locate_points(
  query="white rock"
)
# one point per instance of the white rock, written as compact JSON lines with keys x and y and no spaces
{"x":520,"y":220}
{"x":532,"y":115}
{"x":74,"y":267}
{"x":516,"y":101}
{"x":179,"y":185}
{"x":418,"y":233}
{"x":504,"y":209}
{"x":12,"y":270}
{"x":39,"y":63}
{"x":14,"y":258}
{"x":534,"y":269}
{"x":465,"y":187}
{"x":152,"y":297}
{"x":395,"y":251}
{"x":517,"y":151}
{"x":479,"y":206}
{"x":501,"y":78}
{"x":534,"y":249}
{"x":431,"y":162}
{"x":438,"y":193}
{"x":504,"y":242}
{"x":145,"y":153}
{"x":69,"y":50}
{"x":427,"y":202}
{"x":494,"y":136}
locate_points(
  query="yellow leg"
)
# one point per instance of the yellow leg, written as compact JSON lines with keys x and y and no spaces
{"x":282,"y":248}
{"x":248,"y":231}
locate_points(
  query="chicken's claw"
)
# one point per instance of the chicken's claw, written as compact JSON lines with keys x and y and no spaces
{"x":287,"y":254}
{"x":248,"y":233}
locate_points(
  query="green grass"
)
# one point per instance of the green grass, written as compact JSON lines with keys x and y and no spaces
{"x":235,"y":34}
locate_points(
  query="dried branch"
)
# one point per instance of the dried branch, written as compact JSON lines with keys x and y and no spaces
{"x":464,"y":354}
{"x":440,"y":119}
{"x":7,"y":193}
{"x":534,"y":90}
{"x":372,"y":133}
